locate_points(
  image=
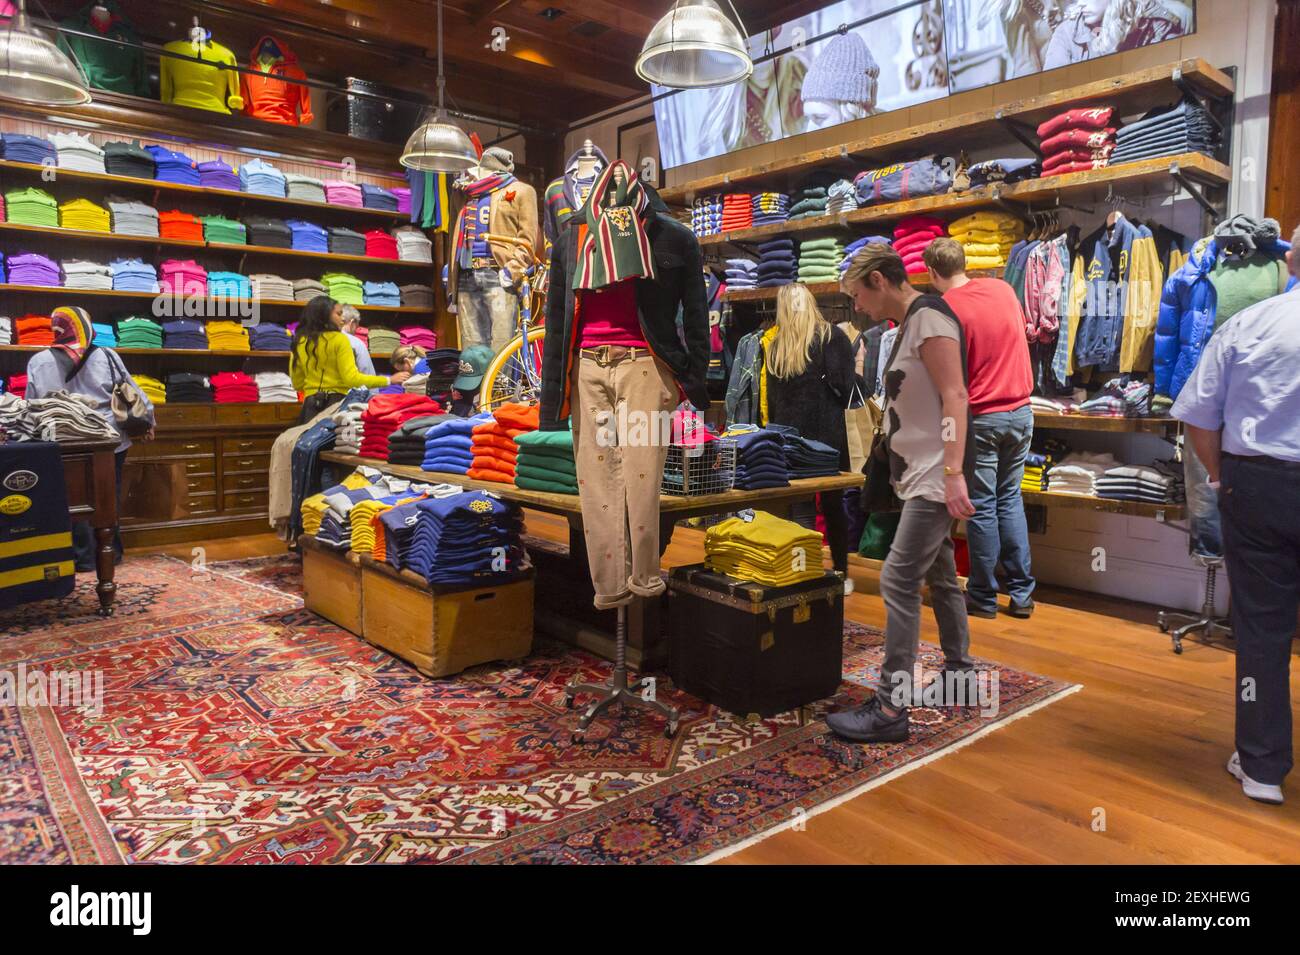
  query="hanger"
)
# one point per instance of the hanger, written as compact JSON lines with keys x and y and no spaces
{"x":1114,"y":200}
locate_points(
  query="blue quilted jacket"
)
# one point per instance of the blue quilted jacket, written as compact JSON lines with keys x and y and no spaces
{"x":1187,"y":311}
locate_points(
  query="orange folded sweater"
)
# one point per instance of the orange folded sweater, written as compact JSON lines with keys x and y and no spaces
{"x":523,"y":417}
{"x":488,"y":463}
{"x":483,"y":474}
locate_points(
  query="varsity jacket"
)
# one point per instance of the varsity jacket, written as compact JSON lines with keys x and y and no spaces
{"x":512,"y":211}
{"x":561,"y":200}
{"x":678,"y":289}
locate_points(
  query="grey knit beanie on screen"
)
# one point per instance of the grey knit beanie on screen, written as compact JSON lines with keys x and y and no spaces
{"x":842,"y":73}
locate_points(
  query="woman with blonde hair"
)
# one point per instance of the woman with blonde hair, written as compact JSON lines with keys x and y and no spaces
{"x":808,"y":382}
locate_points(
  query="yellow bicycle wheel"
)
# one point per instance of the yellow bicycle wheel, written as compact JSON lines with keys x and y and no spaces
{"x":515,"y":373}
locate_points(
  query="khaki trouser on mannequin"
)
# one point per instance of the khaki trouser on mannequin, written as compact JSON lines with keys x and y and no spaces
{"x":619,"y":474}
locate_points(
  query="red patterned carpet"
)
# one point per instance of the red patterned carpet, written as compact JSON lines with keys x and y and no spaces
{"x":237,"y":727}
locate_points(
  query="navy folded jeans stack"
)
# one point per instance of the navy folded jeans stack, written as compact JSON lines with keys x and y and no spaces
{"x":1185,"y":128}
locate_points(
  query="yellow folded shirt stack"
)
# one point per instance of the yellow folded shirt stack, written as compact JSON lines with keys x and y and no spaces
{"x":766,"y":550}
{"x":84,"y":215}
{"x":362,"y":516}
{"x":153,"y":389}
{"x":228,"y":336}
{"x":987,"y":238}
{"x":1034,"y":479}
{"x":313,"y":508}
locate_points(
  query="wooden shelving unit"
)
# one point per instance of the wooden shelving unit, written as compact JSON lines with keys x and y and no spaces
{"x":1080,"y":422}
{"x":1160,"y":512}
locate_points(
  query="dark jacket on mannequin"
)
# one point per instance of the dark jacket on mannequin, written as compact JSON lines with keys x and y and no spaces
{"x":678,"y":288}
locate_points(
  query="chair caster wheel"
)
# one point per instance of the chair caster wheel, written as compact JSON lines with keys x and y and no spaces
{"x":1178,"y":649}
{"x":670,"y":730}
{"x":568,"y":702}
{"x":1164,"y":627}
{"x":575,"y":738}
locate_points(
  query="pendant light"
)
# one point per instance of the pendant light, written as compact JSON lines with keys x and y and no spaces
{"x":439,"y":145}
{"x":34,"y":70}
{"x":695,"y":45}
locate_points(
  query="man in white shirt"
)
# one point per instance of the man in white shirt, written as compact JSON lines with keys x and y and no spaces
{"x":352,"y":319}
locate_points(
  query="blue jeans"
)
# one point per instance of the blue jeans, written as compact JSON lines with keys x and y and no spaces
{"x":998,"y":529}
{"x":1202,"y":507}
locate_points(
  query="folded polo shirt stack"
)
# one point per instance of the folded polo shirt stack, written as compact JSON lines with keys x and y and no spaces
{"x":363,"y":518}
{"x":78,"y":273}
{"x":987,"y":238}
{"x":183,"y":277}
{"x":340,"y":193}
{"x":1003,"y":171}
{"x":912,"y":236}
{"x":545,"y":462}
{"x":706,"y":215}
{"x":105,"y":336}
{"x":303,"y":290}
{"x":394,"y":531}
{"x":1158,"y":483}
{"x":34,"y":330}
{"x":76,"y":151}
{"x":335,"y":527}
{"x":153,"y":389}
{"x":28,"y":268}
{"x":224,"y":231}
{"x":386,"y":294}
{"x":344,"y":288}
{"x":29,"y":149}
{"x":417,"y":296}
{"x":175,"y":224}
{"x":385,"y":414}
{"x":382,"y":340}
{"x":857,"y":245}
{"x":271,"y":288}
{"x":380,"y":245}
{"x":460,"y":539}
{"x":139,"y":332}
{"x":344,"y":241}
{"x":348,"y":430}
{"x":495,"y":449}
{"x":406,"y":444}
{"x":132,"y":218}
{"x":188,"y":387}
{"x":172,"y":166}
{"x":776,"y":263}
{"x":1077,"y":474}
{"x":737,"y":211}
{"x":377,"y":197}
{"x":134,"y":275}
{"x":218,"y":174}
{"x":307,"y":236}
{"x":304,"y":188}
{"x":32,"y":207}
{"x":819,"y":260}
{"x":233,"y":386}
{"x":419,"y":336}
{"x":1166,"y":131}
{"x":413,"y":245}
{"x":228,"y":336}
{"x":185,"y":333}
{"x":6,"y":330}
{"x":770,"y":207}
{"x":128,"y":159}
{"x":84,"y":215}
{"x":1077,"y":140}
{"x":274,"y":386}
{"x":1035,"y":474}
{"x":67,"y":417}
{"x":766,"y":550}
{"x":741,"y":274}
{"x":448,"y":446}
{"x":267,"y":337}
{"x":841,"y":197}
{"x":262,"y":179}
{"x":403,"y":195}
{"x":267,"y":232}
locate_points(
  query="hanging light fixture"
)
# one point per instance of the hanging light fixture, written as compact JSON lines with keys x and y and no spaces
{"x":439,"y":145}
{"x":34,"y":70}
{"x":695,"y":45}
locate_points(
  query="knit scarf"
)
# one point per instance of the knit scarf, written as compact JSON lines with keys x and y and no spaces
{"x":73,"y":332}
{"x":615,"y":246}
{"x":475,"y":190}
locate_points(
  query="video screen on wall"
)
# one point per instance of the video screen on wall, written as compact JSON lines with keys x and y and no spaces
{"x":906,"y":54}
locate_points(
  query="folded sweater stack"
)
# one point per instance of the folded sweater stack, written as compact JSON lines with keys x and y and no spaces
{"x":841,"y":196}
{"x":545,"y":462}
{"x":819,"y":260}
{"x":494,"y":447}
{"x":737,"y":211}
{"x":1077,"y":140}
{"x":912,"y":236}
{"x":766,"y":550}
{"x":776,"y":263}
{"x":448,"y":446}
{"x":987,"y":238}
{"x":741,"y":274}
{"x":770,"y":208}
{"x":857,"y":245}
{"x":706,"y":215}
{"x":1185,"y":128}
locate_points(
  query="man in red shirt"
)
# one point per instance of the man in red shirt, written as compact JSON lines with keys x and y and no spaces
{"x":1001,"y":381}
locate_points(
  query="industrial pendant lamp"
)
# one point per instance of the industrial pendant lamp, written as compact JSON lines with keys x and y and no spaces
{"x":34,"y":70}
{"x":439,"y":145}
{"x":695,"y":45}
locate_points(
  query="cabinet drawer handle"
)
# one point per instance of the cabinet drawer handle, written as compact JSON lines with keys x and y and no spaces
{"x":194,"y":485}
{"x":247,"y":481}
{"x":245,"y":463}
{"x":245,"y":445}
{"x":246,"y":499}
{"x":191,"y":447}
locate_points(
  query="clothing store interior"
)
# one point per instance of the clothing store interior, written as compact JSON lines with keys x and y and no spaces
{"x":954,"y":517}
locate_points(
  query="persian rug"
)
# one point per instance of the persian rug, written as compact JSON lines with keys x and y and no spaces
{"x":236,"y":727}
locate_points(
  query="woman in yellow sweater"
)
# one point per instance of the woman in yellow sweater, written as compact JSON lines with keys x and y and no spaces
{"x":321,"y":363}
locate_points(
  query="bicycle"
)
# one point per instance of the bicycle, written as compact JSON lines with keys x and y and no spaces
{"x":515,"y":374}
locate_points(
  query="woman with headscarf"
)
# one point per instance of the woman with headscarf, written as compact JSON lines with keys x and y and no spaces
{"x":76,"y":365}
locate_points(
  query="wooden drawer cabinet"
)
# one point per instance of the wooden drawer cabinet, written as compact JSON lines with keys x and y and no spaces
{"x":251,"y":502}
{"x":236,"y":483}
{"x":238,"y":463}
{"x":247,"y":445}
{"x":200,"y":466}
{"x":175,"y":448}
{"x":204,"y":484}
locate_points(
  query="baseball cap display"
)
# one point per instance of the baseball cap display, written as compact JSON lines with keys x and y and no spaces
{"x":474,"y":363}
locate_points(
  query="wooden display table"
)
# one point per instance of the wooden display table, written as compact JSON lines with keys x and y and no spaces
{"x":90,"y":473}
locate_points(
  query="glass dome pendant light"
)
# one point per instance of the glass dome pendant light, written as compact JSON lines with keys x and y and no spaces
{"x":439,"y":145}
{"x":34,"y":70}
{"x":694,"y":46}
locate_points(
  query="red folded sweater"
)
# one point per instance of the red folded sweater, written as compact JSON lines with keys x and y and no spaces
{"x":1093,"y":117}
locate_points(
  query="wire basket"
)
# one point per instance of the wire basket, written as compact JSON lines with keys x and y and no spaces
{"x":708,"y":468}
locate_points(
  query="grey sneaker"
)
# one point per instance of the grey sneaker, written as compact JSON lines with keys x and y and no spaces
{"x":869,"y":724}
{"x":1024,"y":611}
{"x":1260,"y":792}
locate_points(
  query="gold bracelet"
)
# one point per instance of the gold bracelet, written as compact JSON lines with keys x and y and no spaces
{"x":951,"y":472}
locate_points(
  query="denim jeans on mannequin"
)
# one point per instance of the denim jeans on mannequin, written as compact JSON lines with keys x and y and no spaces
{"x":487,"y":312}
{"x":1202,"y":507}
{"x":998,"y":532}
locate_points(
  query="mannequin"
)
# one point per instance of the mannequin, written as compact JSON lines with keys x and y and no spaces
{"x":272,"y":98}
{"x":108,"y":65}
{"x":567,"y":195}
{"x":493,"y":244}
{"x":614,"y":368}
{"x":199,"y":81}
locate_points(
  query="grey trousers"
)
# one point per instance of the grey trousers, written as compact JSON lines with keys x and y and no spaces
{"x":922,"y":553}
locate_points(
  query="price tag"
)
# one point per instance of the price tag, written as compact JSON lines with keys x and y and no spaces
{"x":747,"y":515}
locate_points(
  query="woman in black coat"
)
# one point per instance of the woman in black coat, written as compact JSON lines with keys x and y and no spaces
{"x":810,"y":381}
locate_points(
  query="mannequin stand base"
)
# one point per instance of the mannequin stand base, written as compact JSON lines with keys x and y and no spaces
{"x":617,"y":690}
